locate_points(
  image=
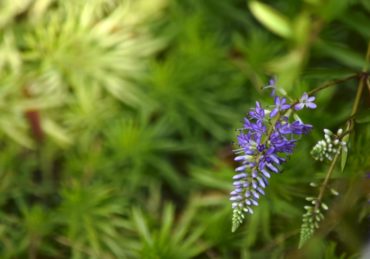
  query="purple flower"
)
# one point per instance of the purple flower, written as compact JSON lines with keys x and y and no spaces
{"x":305,"y":101}
{"x":280,"y":105}
{"x":299,"y":127}
{"x":264,"y":145}
{"x":257,"y":113}
{"x":272,"y":84}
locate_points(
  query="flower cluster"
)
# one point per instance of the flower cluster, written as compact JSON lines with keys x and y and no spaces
{"x":266,"y":139}
{"x":310,"y":221}
{"x":329,"y":146}
{"x":314,"y":214}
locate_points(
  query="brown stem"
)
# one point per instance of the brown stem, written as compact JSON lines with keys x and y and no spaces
{"x":325,"y":183}
{"x":34,"y":119}
{"x":333,"y":83}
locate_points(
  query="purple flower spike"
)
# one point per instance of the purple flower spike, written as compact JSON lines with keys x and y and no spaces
{"x":305,"y":101}
{"x":265,"y":142}
{"x":280,"y":105}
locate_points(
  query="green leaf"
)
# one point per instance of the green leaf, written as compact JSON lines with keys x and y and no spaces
{"x":342,"y":54}
{"x":141,"y":225}
{"x":301,"y":28}
{"x":363,"y":117}
{"x":271,"y":19}
{"x":16,"y":130}
{"x":359,"y":22}
{"x":332,"y":9}
{"x":56,"y":132}
{"x":366,"y":4}
{"x":287,"y":68}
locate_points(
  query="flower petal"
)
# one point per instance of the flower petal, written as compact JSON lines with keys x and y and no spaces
{"x":311,"y":105}
{"x":311,"y":99}
{"x":299,"y":106}
{"x":285,"y":107}
{"x":274,"y":112}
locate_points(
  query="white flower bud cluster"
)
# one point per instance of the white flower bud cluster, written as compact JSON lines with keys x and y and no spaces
{"x":329,"y":146}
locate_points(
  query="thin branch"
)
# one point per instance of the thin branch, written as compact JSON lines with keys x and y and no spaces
{"x":333,"y":83}
{"x":325,"y":183}
{"x":349,"y":129}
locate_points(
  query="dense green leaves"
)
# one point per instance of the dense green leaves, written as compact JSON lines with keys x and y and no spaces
{"x":117,"y":119}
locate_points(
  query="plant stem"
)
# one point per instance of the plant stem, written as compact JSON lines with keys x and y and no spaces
{"x":332,"y":83}
{"x":358,"y":95}
{"x":326,"y":180}
{"x":361,"y":84}
{"x":367,"y":58}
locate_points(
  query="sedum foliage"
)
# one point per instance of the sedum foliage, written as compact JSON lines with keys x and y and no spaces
{"x":116,"y":118}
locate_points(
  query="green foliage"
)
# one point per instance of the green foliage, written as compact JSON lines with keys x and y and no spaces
{"x":167,"y":240}
{"x":91,"y":219}
{"x":117,"y":116}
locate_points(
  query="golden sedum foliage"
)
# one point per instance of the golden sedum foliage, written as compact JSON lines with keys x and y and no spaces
{"x":71,"y":55}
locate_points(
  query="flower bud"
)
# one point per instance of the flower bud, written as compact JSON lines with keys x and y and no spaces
{"x":328,"y":132}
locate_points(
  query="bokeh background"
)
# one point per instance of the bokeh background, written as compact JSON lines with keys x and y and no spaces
{"x":117,"y":119}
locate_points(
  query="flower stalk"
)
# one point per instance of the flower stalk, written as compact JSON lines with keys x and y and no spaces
{"x":313,"y":215}
{"x":266,"y":140}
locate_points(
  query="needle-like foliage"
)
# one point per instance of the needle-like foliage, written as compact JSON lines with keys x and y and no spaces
{"x":117,"y":118}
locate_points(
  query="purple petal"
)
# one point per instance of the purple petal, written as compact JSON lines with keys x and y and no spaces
{"x":304,"y":96}
{"x":255,"y":194}
{"x":274,"y":112}
{"x":255,"y":203}
{"x":261,"y":182}
{"x":272,"y":168}
{"x":237,"y":183}
{"x":261,"y":191}
{"x":239,"y":176}
{"x":240,"y":158}
{"x":236,"y":191}
{"x":236,"y":198}
{"x":254,"y":174}
{"x":233,"y":193}
{"x":311,"y":105}
{"x":311,"y":99}
{"x":254,"y":184}
{"x":275,"y":159}
{"x":285,"y":107}
{"x":298,"y":106}
{"x":240,"y":168}
{"x":265,"y":173}
{"x":272,"y":81}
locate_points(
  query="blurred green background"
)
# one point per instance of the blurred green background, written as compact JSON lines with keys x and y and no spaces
{"x":117,"y":119}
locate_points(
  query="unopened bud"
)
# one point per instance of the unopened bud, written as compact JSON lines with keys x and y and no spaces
{"x":324,"y":206}
{"x":328,"y":132}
